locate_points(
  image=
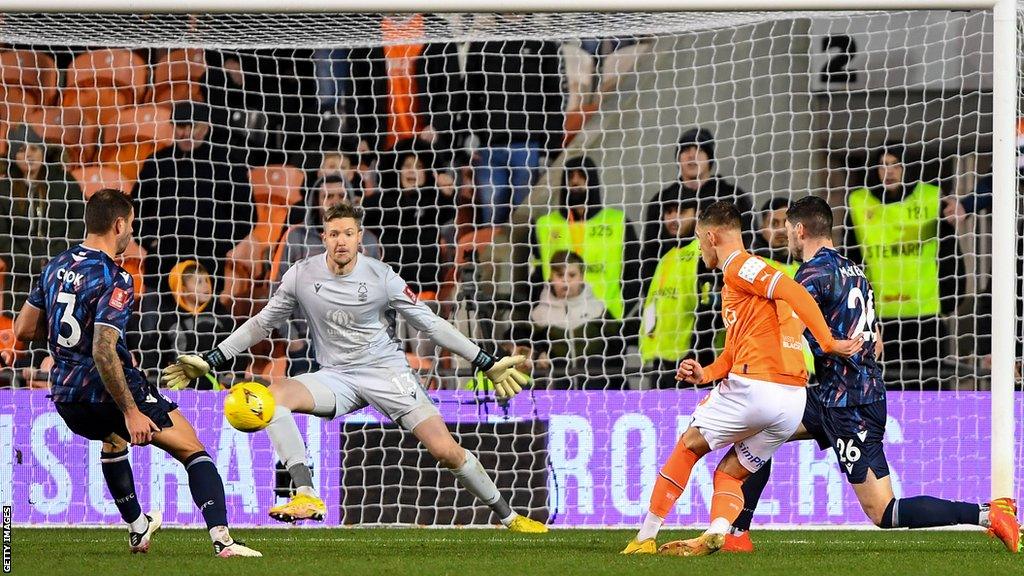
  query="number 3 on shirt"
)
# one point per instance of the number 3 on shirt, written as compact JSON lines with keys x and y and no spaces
{"x":867,"y":312}
{"x":68,"y":317}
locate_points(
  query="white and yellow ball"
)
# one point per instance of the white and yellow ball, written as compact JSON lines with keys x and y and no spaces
{"x":249,"y":406}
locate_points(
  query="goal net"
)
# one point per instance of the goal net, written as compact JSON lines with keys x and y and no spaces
{"x":535,"y":179}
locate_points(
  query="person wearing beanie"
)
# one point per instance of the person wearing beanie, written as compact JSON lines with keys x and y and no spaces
{"x":695,"y":153}
{"x":184,"y":319}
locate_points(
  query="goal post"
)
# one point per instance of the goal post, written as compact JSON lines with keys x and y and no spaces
{"x":635,"y":160}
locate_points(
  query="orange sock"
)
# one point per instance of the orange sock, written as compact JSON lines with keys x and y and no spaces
{"x":728,"y":499}
{"x":672,"y":479}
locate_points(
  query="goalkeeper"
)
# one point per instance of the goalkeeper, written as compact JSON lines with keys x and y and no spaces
{"x":350,"y":301}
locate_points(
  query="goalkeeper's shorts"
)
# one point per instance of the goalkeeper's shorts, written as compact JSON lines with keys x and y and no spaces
{"x":394,"y":392}
{"x":754,"y":415}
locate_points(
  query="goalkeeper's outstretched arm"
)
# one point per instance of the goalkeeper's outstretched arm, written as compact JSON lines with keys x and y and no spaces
{"x":507,"y":380}
{"x":256,"y":329}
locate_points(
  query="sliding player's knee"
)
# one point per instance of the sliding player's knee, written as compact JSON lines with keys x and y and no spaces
{"x":694,"y":441}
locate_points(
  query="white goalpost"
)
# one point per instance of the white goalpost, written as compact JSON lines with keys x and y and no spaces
{"x":795,"y":99}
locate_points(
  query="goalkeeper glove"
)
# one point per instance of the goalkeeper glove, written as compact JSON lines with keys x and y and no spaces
{"x":188,"y":367}
{"x":507,"y":380}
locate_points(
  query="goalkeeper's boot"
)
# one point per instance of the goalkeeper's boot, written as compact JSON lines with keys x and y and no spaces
{"x":635,"y":546}
{"x":1003,"y":524}
{"x":702,"y":545}
{"x":525,"y":525}
{"x":235,"y":548}
{"x":300,"y":507}
{"x":738,"y":542}
{"x":138,"y":542}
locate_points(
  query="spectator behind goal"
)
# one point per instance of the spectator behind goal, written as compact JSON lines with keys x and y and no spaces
{"x":569,"y":325}
{"x":41,"y":211}
{"x":186,"y":319}
{"x":910,"y":255}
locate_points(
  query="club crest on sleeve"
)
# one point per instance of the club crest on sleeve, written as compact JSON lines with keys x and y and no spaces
{"x":412,"y":295}
{"x":119,"y":298}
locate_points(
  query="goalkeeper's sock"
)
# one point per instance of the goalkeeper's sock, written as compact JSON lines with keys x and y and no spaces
{"x":290,"y":449}
{"x":753,"y":486}
{"x":668,"y":488}
{"x":726,"y":503}
{"x":117,"y":471}
{"x":473,"y":476}
{"x":207,"y":489}
{"x":928,"y":511}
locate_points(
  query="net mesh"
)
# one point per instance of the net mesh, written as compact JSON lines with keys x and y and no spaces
{"x":487,"y":150}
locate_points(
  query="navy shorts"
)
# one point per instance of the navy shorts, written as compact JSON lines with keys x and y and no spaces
{"x":98,"y":420}
{"x":855,"y":433}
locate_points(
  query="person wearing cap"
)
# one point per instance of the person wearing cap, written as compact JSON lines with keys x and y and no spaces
{"x":678,"y":318}
{"x":910,"y":254}
{"x":41,"y":211}
{"x":194,"y":202}
{"x":695,"y":153}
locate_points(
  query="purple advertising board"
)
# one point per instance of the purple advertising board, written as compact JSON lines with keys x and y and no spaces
{"x":604,"y":450}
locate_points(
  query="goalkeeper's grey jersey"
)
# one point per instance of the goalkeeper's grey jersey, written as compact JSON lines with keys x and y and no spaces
{"x":352,"y":317}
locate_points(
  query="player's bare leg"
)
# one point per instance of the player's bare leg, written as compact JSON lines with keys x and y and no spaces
{"x":438,"y":440}
{"x":117,"y":472}
{"x":204,"y":481}
{"x":668,"y":487}
{"x":726,"y":504}
{"x":294,"y":396}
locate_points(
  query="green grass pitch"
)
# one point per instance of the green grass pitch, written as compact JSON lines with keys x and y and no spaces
{"x":407,"y":552}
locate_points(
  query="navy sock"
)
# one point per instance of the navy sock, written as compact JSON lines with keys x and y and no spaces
{"x":927,"y":511}
{"x":207,"y":489}
{"x":117,"y":471}
{"x":752,"y":488}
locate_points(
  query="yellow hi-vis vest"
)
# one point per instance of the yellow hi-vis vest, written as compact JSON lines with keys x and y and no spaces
{"x":599,"y":240}
{"x":670,"y":306}
{"x":900,"y":245}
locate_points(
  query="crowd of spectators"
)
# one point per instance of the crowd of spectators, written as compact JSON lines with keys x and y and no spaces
{"x":436,"y":141}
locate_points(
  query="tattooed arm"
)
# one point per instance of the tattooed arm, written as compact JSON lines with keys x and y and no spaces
{"x":104,"y":353}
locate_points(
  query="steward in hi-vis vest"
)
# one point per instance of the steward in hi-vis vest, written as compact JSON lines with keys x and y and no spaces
{"x":909,"y":253}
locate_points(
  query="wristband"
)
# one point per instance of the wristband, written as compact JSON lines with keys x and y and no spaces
{"x":484,"y":361}
{"x":215,"y":358}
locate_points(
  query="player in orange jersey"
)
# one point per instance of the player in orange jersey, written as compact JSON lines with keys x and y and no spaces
{"x":760,"y":401}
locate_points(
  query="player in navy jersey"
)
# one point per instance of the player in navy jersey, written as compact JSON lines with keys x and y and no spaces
{"x":846,"y":410}
{"x":80,"y":305}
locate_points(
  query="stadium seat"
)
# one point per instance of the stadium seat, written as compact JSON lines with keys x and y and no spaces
{"x":247,"y":268}
{"x":98,"y":105}
{"x":92,"y":179}
{"x":121,"y":69}
{"x":15,"y":104}
{"x":135,"y":134}
{"x":65,"y":126}
{"x":33,"y":72}
{"x":177,"y":76}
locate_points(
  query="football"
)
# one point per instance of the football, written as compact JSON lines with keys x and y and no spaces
{"x":249,"y":406}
